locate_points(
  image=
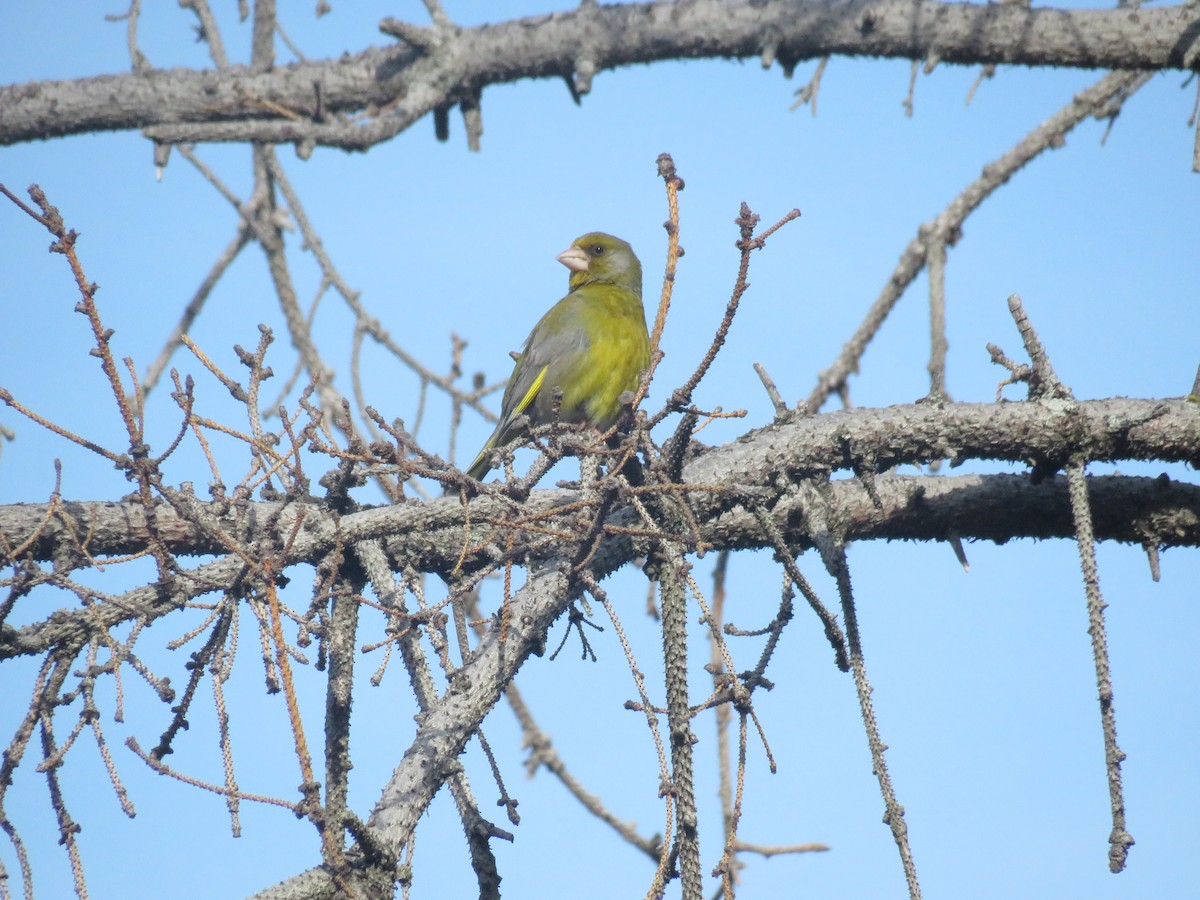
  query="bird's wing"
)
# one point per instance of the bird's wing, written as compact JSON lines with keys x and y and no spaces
{"x":555,"y":346}
{"x":530,"y":393}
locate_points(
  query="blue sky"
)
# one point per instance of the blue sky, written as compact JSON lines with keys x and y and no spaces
{"x":984,"y":684}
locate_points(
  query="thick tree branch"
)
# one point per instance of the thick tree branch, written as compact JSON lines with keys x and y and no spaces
{"x":995,"y":508}
{"x":1150,"y":512}
{"x":1033,"y":433}
{"x":308,"y":102}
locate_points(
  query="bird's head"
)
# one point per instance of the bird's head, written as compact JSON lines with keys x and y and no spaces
{"x":600,"y":257}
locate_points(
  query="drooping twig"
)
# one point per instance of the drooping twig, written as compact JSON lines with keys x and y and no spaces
{"x":729,"y":864}
{"x":832,"y":547}
{"x":1119,"y":839}
{"x":476,"y":827}
{"x":68,"y":829}
{"x":808,"y":93}
{"x":893,"y":811}
{"x":662,"y":849}
{"x":985,"y":72}
{"x":673,"y":603}
{"x":1044,"y":384}
{"x":833,"y":632}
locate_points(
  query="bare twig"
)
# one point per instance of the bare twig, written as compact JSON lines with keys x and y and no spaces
{"x":948,"y":224}
{"x":938,"y":344}
{"x":893,"y":812}
{"x":194,"y":306}
{"x":808,"y":93}
{"x":1119,"y":839}
{"x":209,"y":32}
{"x":747,"y":242}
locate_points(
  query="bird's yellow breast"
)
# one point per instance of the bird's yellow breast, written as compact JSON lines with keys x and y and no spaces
{"x":617,"y":351}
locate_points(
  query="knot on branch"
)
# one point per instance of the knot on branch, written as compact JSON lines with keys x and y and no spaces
{"x":424,"y":40}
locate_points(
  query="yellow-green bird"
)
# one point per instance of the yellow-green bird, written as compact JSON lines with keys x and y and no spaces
{"x":592,"y":346}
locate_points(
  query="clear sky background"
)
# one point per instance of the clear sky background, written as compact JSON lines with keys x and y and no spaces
{"x":984,"y":685}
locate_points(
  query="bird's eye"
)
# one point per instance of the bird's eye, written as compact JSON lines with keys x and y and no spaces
{"x":597,"y":249}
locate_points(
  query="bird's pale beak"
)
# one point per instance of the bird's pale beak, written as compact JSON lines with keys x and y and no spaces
{"x":574,"y":259}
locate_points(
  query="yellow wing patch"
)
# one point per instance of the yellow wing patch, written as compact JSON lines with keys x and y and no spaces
{"x":531,"y":393}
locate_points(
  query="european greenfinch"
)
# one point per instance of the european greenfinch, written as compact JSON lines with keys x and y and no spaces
{"x":591,"y":347}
